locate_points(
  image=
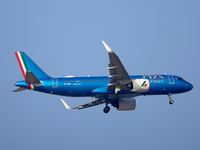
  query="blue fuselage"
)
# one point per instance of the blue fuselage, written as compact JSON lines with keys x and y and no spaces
{"x":97,"y":86}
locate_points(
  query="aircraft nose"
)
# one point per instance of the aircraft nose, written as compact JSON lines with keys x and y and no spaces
{"x":189,"y":86}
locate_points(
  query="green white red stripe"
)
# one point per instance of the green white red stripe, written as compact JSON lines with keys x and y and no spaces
{"x":143,"y":84}
{"x":22,"y":63}
{"x":23,"y":66}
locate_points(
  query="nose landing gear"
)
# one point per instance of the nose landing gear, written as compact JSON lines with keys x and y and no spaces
{"x":170,"y":100}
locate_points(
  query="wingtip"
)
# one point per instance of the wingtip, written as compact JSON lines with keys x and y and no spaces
{"x":65,"y":104}
{"x":109,"y":50}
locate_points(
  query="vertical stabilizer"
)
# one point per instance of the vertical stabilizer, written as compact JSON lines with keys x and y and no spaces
{"x":26,"y":64}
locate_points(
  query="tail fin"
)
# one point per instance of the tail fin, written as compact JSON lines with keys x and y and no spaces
{"x":26,"y":64}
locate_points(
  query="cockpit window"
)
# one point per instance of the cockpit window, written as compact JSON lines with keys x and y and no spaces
{"x":181,"y":79}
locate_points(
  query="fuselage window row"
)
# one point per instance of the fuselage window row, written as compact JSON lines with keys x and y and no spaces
{"x":86,"y":81}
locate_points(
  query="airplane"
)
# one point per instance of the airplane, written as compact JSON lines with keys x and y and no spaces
{"x":117,"y":89}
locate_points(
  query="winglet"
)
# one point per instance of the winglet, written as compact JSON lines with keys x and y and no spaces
{"x":65,"y":104}
{"x":107,"y":47}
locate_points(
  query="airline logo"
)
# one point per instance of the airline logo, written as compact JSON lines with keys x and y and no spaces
{"x":144,"y":84}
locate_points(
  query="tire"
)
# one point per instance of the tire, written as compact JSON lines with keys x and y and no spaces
{"x":171,"y":102}
{"x":106,"y":109}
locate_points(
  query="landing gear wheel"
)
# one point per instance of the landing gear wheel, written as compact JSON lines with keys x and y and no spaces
{"x":171,"y":102}
{"x":106,"y":109}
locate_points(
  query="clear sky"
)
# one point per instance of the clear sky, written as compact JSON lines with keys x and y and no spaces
{"x":64,"y":38}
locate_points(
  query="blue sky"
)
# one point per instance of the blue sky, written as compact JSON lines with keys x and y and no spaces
{"x":64,"y":38}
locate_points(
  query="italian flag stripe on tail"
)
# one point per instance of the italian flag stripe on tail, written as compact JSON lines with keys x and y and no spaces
{"x":22,"y":63}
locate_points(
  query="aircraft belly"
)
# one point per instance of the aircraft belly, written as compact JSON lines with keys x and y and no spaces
{"x":77,"y":90}
{"x":103,"y":93}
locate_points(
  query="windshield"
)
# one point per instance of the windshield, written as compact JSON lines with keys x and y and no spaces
{"x":181,"y":79}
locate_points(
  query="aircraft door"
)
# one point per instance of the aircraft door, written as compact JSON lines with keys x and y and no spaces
{"x":171,"y":79}
{"x":54,"y":83}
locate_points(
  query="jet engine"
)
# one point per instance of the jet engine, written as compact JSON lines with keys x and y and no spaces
{"x":140,"y":85}
{"x":126,"y":104}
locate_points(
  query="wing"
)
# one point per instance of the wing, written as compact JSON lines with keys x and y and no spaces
{"x":94,"y":103}
{"x":120,"y":79}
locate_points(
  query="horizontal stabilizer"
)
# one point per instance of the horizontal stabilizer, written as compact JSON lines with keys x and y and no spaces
{"x":19,"y":89}
{"x":31,"y":78}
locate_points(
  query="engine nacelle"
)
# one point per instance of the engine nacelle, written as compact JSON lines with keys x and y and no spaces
{"x":140,"y":85}
{"x":127,"y":104}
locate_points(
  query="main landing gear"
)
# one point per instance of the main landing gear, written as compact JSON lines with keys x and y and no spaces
{"x":114,"y":103}
{"x":106,"y":109}
{"x":170,"y":100}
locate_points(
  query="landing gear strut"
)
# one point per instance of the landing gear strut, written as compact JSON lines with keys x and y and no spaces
{"x":106,"y":109}
{"x":170,"y":100}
